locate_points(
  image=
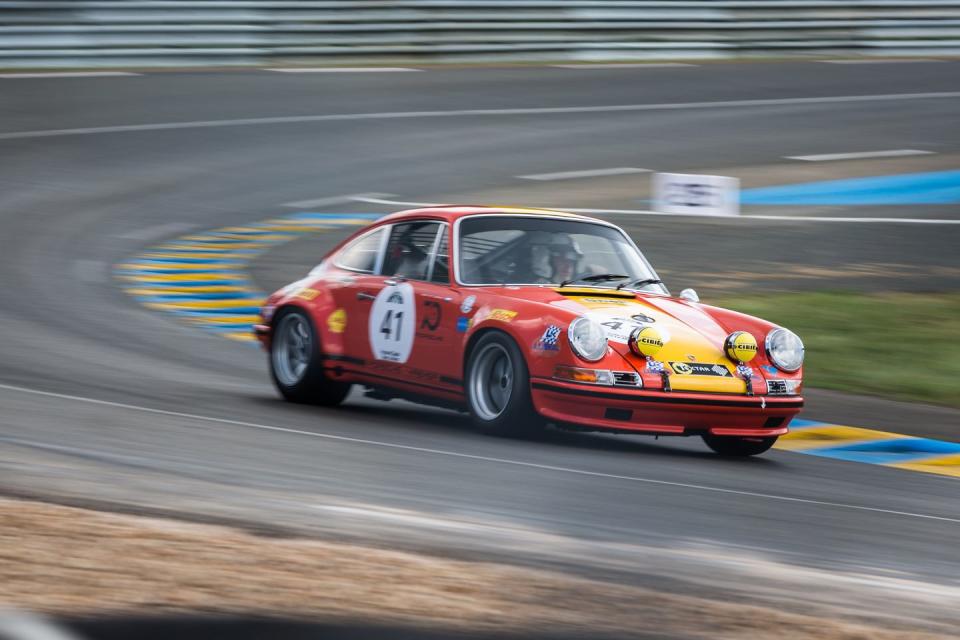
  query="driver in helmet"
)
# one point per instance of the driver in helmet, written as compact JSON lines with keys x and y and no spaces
{"x":554,"y":257}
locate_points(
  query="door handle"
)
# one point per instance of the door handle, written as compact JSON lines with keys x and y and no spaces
{"x":394,"y":281}
{"x":444,"y":298}
{"x":366,"y":296}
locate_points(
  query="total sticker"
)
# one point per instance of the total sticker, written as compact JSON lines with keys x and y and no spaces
{"x":393,"y":320}
{"x":308,"y":294}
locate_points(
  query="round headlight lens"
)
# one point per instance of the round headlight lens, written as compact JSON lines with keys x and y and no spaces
{"x":785,"y":349}
{"x":587,"y":339}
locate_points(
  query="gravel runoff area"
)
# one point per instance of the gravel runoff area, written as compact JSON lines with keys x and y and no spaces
{"x":70,"y":562}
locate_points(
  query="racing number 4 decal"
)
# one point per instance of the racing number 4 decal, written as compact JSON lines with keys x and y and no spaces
{"x":388,"y":319}
{"x":393,"y":317}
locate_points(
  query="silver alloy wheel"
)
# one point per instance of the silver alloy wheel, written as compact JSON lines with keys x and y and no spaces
{"x":491,"y":382}
{"x":291,"y":349}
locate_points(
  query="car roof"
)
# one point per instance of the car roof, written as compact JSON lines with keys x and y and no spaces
{"x":451,"y":213}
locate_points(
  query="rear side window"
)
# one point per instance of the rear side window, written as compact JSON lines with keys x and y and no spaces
{"x":361,"y":254}
{"x":410,"y":249}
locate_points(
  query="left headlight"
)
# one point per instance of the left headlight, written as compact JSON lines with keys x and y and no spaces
{"x":587,"y":339}
{"x":785,"y":349}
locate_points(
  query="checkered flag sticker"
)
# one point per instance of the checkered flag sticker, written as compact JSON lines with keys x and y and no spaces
{"x":551,"y":335}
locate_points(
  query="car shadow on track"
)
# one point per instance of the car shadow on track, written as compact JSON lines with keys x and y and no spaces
{"x":425,"y":420}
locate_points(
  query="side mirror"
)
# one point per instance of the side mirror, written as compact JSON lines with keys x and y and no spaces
{"x":690,"y":295}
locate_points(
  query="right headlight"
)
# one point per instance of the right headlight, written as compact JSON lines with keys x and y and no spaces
{"x":587,"y":339}
{"x":785,"y":349}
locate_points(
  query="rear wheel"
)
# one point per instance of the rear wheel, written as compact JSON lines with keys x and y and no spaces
{"x":295,"y":363}
{"x":737,"y":446}
{"x":498,"y":388}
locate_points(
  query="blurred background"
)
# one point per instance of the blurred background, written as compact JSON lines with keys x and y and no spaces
{"x":799,"y":161}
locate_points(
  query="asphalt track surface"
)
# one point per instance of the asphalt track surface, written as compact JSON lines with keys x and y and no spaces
{"x":107,"y":402}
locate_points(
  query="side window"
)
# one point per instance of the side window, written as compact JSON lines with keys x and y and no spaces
{"x":441,"y":262}
{"x":361,"y":254}
{"x":409,"y":249}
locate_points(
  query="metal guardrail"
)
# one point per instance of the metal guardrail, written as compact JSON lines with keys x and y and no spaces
{"x":120,"y":33}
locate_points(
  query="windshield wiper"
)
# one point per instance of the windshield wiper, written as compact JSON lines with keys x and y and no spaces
{"x":639,"y":283}
{"x":600,"y":277}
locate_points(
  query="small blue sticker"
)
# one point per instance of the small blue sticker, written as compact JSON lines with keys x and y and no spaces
{"x":768,"y":368}
{"x":463,"y":323}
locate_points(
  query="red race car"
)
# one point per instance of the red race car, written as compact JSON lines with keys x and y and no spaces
{"x":524,"y":317}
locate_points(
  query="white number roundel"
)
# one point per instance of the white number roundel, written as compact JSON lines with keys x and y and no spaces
{"x":392,"y":322}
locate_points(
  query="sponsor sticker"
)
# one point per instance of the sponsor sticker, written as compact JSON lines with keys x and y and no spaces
{"x":700,"y":369}
{"x":644,"y":318}
{"x":549,"y":341}
{"x":337,"y":321}
{"x":430,"y":322}
{"x":467,"y":305}
{"x":619,"y":329}
{"x":503,"y":315}
{"x":432,"y":315}
{"x":463,"y":324}
{"x":308,"y":294}
{"x":405,"y":371}
{"x":769,"y":368}
{"x":654,"y":366}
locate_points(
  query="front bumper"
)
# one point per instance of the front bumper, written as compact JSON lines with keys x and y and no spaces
{"x":669,"y":413}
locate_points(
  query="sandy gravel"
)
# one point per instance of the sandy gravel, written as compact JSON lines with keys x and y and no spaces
{"x":61,"y":560}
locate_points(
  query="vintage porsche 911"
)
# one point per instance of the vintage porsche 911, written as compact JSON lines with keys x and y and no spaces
{"x":525,"y":317}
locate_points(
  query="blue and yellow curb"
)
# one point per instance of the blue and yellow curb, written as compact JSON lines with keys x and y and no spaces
{"x":202,"y":278}
{"x":856,"y":444}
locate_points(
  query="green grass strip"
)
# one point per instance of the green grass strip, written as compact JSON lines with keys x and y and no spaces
{"x":898,"y":345}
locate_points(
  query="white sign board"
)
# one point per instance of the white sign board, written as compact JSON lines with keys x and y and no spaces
{"x":689,"y":194}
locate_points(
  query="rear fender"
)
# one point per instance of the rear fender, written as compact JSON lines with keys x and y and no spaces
{"x":318,"y":304}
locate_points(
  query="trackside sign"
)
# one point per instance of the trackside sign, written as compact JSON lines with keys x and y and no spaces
{"x":690,"y":194}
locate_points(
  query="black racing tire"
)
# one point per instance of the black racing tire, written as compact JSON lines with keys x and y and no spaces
{"x":497,"y":385}
{"x":295,"y":363}
{"x":737,"y":446}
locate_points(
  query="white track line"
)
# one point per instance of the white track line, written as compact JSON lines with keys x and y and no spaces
{"x":881,"y":61}
{"x":644,"y":212}
{"x":468,"y":456}
{"x":857,"y":155}
{"x":586,"y":173}
{"x":332,"y":200}
{"x":638,"y":65}
{"x":69,"y":74}
{"x":345,"y":70}
{"x":396,"y":115}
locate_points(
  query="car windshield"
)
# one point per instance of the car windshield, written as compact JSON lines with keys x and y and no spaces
{"x":549,"y":251}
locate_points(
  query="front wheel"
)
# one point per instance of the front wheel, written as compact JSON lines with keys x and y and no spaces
{"x":295,"y":363}
{"x":498,"y":388}
{"x":737,"y":446}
